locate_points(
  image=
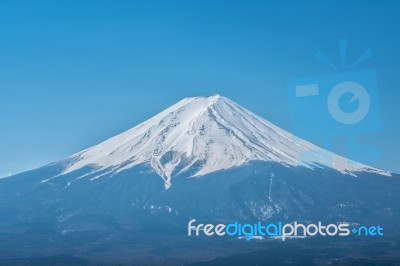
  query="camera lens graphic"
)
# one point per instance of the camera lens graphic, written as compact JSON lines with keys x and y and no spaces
{"x":359,"y":93}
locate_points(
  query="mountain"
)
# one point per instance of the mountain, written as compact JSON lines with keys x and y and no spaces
{"x":202,"y":135}
{"x":204,"y":157}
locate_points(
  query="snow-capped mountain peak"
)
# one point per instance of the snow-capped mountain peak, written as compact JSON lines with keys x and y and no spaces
{"x":200,"y":135}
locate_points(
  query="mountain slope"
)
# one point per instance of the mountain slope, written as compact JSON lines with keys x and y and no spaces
{"x":201,"y":135}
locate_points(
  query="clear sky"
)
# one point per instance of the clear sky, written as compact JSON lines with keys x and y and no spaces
{"x":73,"y":73}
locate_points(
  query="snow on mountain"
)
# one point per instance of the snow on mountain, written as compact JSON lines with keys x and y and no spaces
{"x":200,"y":135}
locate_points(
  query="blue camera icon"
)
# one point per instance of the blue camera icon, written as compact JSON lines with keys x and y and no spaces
{"x":342,"y":104}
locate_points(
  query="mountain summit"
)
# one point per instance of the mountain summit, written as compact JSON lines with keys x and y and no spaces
{"x":201,"y":135}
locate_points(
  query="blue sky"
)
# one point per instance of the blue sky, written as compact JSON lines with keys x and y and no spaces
{"x":74,"y":73}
